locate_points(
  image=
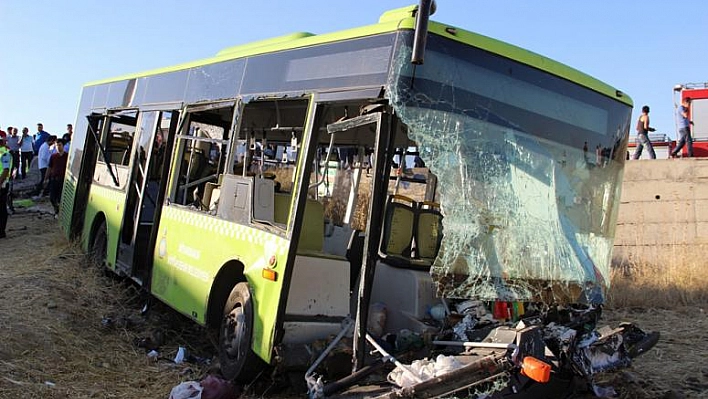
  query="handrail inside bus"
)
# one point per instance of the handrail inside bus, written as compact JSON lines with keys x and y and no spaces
{"x":103,"y":151}
{"x":326,"y":162}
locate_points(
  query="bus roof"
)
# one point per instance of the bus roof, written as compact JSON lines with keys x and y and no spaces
{"x":391,"y":21}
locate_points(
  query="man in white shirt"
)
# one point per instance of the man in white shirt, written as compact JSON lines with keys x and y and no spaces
{"x":43,"y":155}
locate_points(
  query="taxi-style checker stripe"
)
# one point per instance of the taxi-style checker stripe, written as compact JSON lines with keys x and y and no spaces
{"x":112,"y":195}
{"x":220,"y":227}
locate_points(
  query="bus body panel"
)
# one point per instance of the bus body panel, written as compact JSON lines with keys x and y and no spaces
{"x":69,"y":219}
{"x":111,"y":204}
{"x":191,"y":249}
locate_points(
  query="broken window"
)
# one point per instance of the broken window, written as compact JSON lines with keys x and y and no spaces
{"x":529,"y":209}
{"x":117,"y":143}
{"x":266,"y":154}
{"x":201,"y":154}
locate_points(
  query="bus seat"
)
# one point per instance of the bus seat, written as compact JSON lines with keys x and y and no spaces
{"x":428,"y":234}
{"x":198,"y":162}
{"x":211,"y":195}
{"x":397,"y":236}
{"x":214,"y":201}
{"x":312,"y":236}
{"x":312,"y":233}
{"x":281,"y":207}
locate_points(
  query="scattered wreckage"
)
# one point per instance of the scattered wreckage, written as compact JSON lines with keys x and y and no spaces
{"x":549,"y":350}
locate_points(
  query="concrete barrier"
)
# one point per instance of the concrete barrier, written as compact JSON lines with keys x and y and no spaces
{"x":663,"y":211}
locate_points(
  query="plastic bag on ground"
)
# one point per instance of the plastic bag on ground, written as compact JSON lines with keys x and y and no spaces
{"x":187,"y":390}
{"x":424,"y":369}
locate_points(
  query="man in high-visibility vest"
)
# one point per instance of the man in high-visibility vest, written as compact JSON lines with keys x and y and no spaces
{"x":5,"y":168}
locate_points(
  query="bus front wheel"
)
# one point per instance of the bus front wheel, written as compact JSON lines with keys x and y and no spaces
{"x":237,"y":360}
{"x":99,"y":245}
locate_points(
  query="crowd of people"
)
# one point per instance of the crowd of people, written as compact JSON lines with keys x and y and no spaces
{"x":17,"y":151}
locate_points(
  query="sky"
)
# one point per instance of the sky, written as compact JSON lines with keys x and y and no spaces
{"x":49,"y":49}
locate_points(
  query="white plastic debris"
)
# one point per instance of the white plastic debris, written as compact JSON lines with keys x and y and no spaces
{"x":424,"y":369}
{"x":187,"y":390}
{"x":315,"y":387}
{"x":466,"y":324}
{"x":475,"y":308}
{"x":181,"y":354}
{"x":153,"y":354}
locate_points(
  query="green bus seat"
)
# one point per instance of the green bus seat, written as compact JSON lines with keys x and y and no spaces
{"x":312,"y":234}
{"x":428,"y":231}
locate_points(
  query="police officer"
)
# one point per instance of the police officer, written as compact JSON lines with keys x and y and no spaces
{"x":5,"y":168}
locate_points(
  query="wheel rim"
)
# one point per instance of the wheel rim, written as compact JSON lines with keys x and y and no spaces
{"x":234,"y":332}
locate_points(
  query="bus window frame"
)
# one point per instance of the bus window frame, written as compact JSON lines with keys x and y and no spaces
{"x":182,"y":136}
{"x":286,"y":231}
{"x":116,"y":183}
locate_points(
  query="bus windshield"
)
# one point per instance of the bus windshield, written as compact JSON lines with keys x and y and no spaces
{"x":529,"y":166}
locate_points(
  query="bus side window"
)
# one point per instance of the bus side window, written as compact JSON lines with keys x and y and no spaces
{"x":202,"y":158}
{"x":117,"y":144}
{"x":266,"y":149}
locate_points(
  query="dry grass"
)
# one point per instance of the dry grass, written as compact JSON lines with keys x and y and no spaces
{"x":669,"y":295}
{"x":56,"y":338}
{"x":668,"y":283}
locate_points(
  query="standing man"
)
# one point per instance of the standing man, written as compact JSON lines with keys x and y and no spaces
{"x":684,"y":125}
{"x":643,"y":130}
{"x":45,"y":152}
{"x":67,"y":136}
{"x":13,"y":144}
{"x":26,"y":151}
{"x":55,"y":175}
{"x":40,"y":137}
{"x":5,"y":167}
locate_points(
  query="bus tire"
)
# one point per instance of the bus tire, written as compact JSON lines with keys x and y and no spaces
{"x":236,"y":358}
{"x":99,"y":246}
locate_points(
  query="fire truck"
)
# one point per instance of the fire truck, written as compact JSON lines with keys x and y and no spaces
{"x":698,"y":113}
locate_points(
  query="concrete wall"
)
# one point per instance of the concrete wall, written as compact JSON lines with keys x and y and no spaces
{"x":664,"y":209}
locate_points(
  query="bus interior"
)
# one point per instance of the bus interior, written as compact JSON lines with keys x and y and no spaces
{"x":263,"y":163}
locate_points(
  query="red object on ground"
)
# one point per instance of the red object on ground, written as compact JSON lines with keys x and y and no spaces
{"x":535,"y":369}
{"x":217,"y":388}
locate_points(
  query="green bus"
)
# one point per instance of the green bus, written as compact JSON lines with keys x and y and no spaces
{"x":282,"y":188}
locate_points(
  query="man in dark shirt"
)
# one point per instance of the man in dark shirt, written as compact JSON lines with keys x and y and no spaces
{"x":55,"y":174}
{"x":40,"y":137}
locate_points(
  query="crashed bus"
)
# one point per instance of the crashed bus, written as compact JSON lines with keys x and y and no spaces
{"x":390,"y":194}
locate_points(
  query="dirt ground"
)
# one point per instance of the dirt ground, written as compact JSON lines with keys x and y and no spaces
{"x":68,"y":330}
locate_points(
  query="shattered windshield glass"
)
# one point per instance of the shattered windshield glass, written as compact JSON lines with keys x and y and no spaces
{"x":529,"y":168}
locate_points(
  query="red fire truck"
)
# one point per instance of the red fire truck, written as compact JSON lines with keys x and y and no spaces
{"x":698,"y":93}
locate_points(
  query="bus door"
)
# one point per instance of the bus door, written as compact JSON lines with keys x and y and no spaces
{"x":145,"y":192}
{"x":332,"y":234}
{"x":87,"y":157}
